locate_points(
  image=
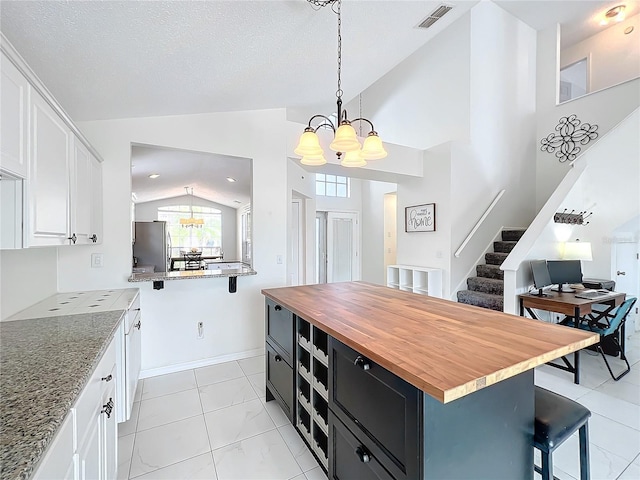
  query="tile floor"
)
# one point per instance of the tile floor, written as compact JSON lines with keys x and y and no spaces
{"x":213,"y":423}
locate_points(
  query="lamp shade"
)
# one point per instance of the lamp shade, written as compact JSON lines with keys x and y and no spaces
{"x":353,"y":159}
{"x":577,"y":251}
{"x":313,"y":160}
{"x":372,"y":148}
{"x":309,"y":144}
{"x":345,"y":139}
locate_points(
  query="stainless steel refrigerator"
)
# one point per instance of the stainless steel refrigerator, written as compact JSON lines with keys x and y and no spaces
{"x":152,"y":245}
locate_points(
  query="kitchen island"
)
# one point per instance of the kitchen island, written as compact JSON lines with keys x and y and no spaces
{"x":391,"y":385}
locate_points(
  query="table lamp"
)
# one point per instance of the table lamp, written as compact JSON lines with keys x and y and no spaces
{"x":577,"y":251}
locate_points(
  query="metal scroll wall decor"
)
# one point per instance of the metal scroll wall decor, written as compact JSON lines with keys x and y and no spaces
{"x":569,"y":133}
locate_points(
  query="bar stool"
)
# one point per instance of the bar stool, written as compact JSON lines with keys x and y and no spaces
{"x":557,"y":417}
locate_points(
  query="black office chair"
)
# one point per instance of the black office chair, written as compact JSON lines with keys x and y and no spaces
{"x":608,"y":326}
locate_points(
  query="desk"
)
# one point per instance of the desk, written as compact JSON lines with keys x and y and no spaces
{"x":569,"y":305}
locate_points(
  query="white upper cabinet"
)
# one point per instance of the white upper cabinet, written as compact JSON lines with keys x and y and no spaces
{"x":96,"y":201}
{"x":13,"y":119}
{"x":48,"y":178}
{"x":81,"y":195}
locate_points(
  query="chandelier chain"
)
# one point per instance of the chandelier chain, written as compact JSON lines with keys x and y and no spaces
{"x":339,"y":91}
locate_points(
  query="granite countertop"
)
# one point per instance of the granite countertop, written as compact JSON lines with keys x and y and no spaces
{"x":192,"y":274}
{"x":45,"y":362}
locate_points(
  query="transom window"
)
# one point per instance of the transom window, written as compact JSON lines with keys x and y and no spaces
{"x":332,"y":185}
{"x":205,"y":238}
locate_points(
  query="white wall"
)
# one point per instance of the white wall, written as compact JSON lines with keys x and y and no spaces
{"x":148,"y":212}
{"x":390,"y":230}
{"x":339,"y":204}
{"x":233,"y":322}
{"x":612,"y":56}
{"x":373,"y":230}
{"x":605,"y":108}
{"x":27,"y":276}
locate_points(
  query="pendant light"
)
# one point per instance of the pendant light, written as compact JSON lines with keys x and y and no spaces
{"x":191,"y":222}
{"x":345,"y":141}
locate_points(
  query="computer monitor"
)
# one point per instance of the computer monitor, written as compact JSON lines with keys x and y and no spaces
{"x":541,"y":276}
{"x":564,"y":271}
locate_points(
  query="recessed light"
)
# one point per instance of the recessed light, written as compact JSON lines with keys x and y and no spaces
{"x":616,"y":13}
{"x":154,"y":175}
{"x":628,"y":30}
{"x":231,"y":179}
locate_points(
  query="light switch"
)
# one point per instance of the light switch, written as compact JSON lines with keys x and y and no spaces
{"x":97,"y":260}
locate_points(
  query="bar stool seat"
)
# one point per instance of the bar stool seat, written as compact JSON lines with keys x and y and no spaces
{"x":557,"y":418}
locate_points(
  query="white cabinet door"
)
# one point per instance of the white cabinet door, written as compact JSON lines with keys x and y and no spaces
{"x":48,"y":175}
{"x":108,"y":438}
{"x":89,"y":452}
{"x":96,"y":200}
{"x":134,"y":354}
{"x":13,"y":119}
{"x":59,"y":462}
{"x":81,"y":197}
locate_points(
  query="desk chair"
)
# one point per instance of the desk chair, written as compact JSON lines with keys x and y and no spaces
{"x":608,"y":327}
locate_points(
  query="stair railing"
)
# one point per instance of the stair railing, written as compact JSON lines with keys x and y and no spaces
{"x":479,"y":222}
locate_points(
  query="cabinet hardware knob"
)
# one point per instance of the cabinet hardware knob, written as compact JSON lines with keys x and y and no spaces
{"x":278,"y":358}
{"x":363,"y":454}
{"x":277,"y":308}
{"x":73,"y":238}
{"x":108,"y":378}
{"x":620,"y":273}
{"x":108,"y":408}
{"x":94,"y":238}
{"x":362,"y":362}
{"x":137,"y":325}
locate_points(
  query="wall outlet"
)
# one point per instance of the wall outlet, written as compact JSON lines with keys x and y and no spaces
{"x":200,"y":330}
{"x":97,"y":260}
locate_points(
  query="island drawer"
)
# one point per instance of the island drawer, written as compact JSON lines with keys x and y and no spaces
{"x":349,"y":458}
{"x":369,"y":399}
{"x":279,"y":329}
{"x":280,"y":381}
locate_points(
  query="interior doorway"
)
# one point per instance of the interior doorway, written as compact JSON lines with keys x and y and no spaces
{"x":627,"y":277}
{"x":337,"y":247}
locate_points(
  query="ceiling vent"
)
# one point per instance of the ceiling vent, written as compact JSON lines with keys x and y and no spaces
{"x":434,"y":16}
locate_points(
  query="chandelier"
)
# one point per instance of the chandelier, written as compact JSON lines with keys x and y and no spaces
{"x":191,"y":222}
{"x":345,"y":139}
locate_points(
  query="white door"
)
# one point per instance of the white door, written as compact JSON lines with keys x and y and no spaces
{"x":48,"y":176}
{"x":295,"y":252}
{"x":321,"y":247}
{"x":343,"y":262}
{"x":627,"y":277}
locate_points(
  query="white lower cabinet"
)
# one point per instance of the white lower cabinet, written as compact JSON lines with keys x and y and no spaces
{"x":129,"y":351}
{"x":85,"y":447}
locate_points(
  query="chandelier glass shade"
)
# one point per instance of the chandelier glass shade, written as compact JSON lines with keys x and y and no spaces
{"x":345,"y":141}
{"x":191,"y":222}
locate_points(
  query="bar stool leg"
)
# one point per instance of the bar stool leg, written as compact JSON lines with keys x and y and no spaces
{"x":583,"y":433}
{"x":547,"y":466}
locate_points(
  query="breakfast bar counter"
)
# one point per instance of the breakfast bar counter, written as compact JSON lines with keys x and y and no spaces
{"x":425,"y":387}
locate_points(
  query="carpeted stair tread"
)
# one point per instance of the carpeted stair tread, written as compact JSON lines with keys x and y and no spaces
{"x":495,"y":258}
{"x":486,"y":285}
{"x":481,"y":299}
{"x":503,"y":247}
{"x":489,"y":271}
{"x":512,"y":235}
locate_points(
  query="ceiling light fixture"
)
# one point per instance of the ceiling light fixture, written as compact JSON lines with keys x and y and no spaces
{"x":231,"y":179}
{"x":154,"y":175}
{"x":345,"y":139}
{"x":191,"y":222}
{"x":616,"y":13}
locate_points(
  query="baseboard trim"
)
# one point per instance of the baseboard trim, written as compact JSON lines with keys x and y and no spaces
{"x":205,"y":362}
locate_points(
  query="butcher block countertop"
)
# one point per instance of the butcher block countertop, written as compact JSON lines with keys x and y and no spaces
{"x":444,"y":348}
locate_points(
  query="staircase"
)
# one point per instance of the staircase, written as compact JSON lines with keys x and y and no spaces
{"x":487,"y":288}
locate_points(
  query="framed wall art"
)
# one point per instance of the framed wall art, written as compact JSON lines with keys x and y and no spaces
{"x":420,"y":218}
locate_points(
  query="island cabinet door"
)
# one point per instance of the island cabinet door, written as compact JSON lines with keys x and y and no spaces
{"x":279,"y":381}
{"x":350,"y":458}
{"x":379,"y":408}
{"x":279,"y":329}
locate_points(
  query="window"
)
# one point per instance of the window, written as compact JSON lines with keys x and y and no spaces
{"x":206,"y":238}
{"x":332,"y":185}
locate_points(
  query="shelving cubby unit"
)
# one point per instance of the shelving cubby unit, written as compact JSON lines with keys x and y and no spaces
{"x":312,"y":390}
{"x":420,"y":280}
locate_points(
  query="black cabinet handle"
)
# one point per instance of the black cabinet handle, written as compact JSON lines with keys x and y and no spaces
{"x":94,"y":238}
{"x":278,"y":358}
{"x":363,"y":454}
{"x":108,"y":408}
{"x":138,"y":325}
{"x":277,"y":308}
{"x":108,"y":378}
{"x":73,"y":238}
{"x":362,"y":362}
